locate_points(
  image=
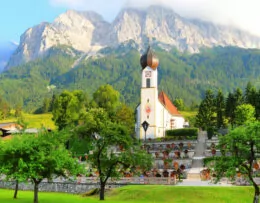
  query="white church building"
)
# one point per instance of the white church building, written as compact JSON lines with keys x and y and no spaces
{"x":155,"y":109}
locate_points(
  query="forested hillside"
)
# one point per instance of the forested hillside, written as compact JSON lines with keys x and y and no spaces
{"x":180,"y":75}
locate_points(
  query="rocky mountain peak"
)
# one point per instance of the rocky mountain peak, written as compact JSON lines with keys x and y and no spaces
{"x":88,"y":32}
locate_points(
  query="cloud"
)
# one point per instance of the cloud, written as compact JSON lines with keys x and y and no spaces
{"x":107,"y":10}
{"x":15,"y":43}
{"x":241,"y":13}
{"x":2,"y":65}
{"x":6,"y":50}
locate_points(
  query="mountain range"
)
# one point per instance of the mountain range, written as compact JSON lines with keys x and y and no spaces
{"x":88,"y":33}
{"x":80,"y":50}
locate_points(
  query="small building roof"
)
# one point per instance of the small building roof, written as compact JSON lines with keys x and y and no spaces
{"x":4,"y":125}
{"x":166,"y":102}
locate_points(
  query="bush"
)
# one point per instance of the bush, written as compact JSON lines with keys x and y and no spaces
{"x":210,"y":132}
{"x":188,"y":132}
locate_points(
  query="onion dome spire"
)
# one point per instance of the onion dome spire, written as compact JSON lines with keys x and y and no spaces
{"x":149,"y":59}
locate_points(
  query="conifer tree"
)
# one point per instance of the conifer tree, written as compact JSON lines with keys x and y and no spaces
{"x":178,"y":102}
{"x":248,"y":91}
{"x":220,"y":108}
{"x":251,"y":96}
{"x":257,"y":105}
{"x":233,"y":100}
{"x":205,"y":118}
{"x":239,"y":98}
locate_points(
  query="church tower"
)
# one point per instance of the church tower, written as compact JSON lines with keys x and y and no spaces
{"x":155,"y":109}
{"x":149,"y":93}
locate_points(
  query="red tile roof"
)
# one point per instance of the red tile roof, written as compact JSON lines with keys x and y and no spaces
{"x":166,"y":102}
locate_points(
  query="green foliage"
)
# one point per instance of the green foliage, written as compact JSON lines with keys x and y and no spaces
{"x":244,"y":113}
{"x":251,"y":97}
{"x":107,"y":98}
{"x":68,"y":108}
{"x":125,"y":115}
{"x":238,"y":152}
{"x":4,"y":109}
{"x":179,"y":103}
{"x":230,"y":108}
{"x":103,"y":136}
{"x":26,"y":85}
{"x":36,"y":157}
{"x":205,"y":118}
{"x":237,"y":109}
{"x":220,"y":109}
{"x":233,"y":100}
{"x":193,"y":132}
{"x":180,"y":75}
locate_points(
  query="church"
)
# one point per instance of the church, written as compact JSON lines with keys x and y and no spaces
{"x":156,"y":113}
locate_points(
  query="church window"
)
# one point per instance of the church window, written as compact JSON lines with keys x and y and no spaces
{"x":148,"y":83}
{"x":172,"y":123}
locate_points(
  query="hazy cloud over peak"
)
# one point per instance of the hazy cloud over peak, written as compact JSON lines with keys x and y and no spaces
{"x":6,"y":50}
{"x":241,"y":13}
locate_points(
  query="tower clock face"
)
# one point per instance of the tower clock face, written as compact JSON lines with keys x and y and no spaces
{"x":148,"y":74}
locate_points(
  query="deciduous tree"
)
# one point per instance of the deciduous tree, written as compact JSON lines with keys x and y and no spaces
{"x":37,"y":157}
{"x":240,"y":149}
{"x":68,"y":108}
{"x":105,"y":136}
{"x":244,"y":113}
{"x":125,"y":116}
{"x":107,"y":97}
{"x":10,"y":162}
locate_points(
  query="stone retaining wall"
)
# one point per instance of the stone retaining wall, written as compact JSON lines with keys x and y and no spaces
{"x":73,"y":188}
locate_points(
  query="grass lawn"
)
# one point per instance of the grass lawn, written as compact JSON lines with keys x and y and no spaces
{"x":151,"y":194}
{"x":35,"y":120}
{"x":188,"y":114}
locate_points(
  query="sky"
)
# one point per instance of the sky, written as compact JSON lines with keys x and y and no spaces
{"x":18,"y":15}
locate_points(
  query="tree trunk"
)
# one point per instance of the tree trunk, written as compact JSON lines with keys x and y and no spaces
{"x":16,"y":189}
{"x":256,"y":198}
{"x":36,"y":188}
{"x":257,"y":191}
{"x":102,"y":190}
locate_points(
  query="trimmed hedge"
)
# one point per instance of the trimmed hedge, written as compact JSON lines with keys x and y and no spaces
{"x":192,"y":132}
{"x":173,"y":138}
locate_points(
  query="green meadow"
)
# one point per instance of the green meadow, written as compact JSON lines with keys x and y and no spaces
{"x":144,"y":194}
{"x":35,"y":120}
{"x":45,"y":120}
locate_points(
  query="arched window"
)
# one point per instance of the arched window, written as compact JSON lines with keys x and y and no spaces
{"x":148,"y":82}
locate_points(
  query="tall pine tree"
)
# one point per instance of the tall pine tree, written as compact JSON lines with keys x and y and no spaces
{"x":257,"y":105}
{"x":251,"y":97}
{"x":220,"y":109}
{"x":205,"y":118}
{"x":230,"y":108}
{"x":239,"y":98}
{"x":233,"y":100}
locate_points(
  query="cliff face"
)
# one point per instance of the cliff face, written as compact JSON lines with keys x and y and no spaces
{"x":88,"y":32}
